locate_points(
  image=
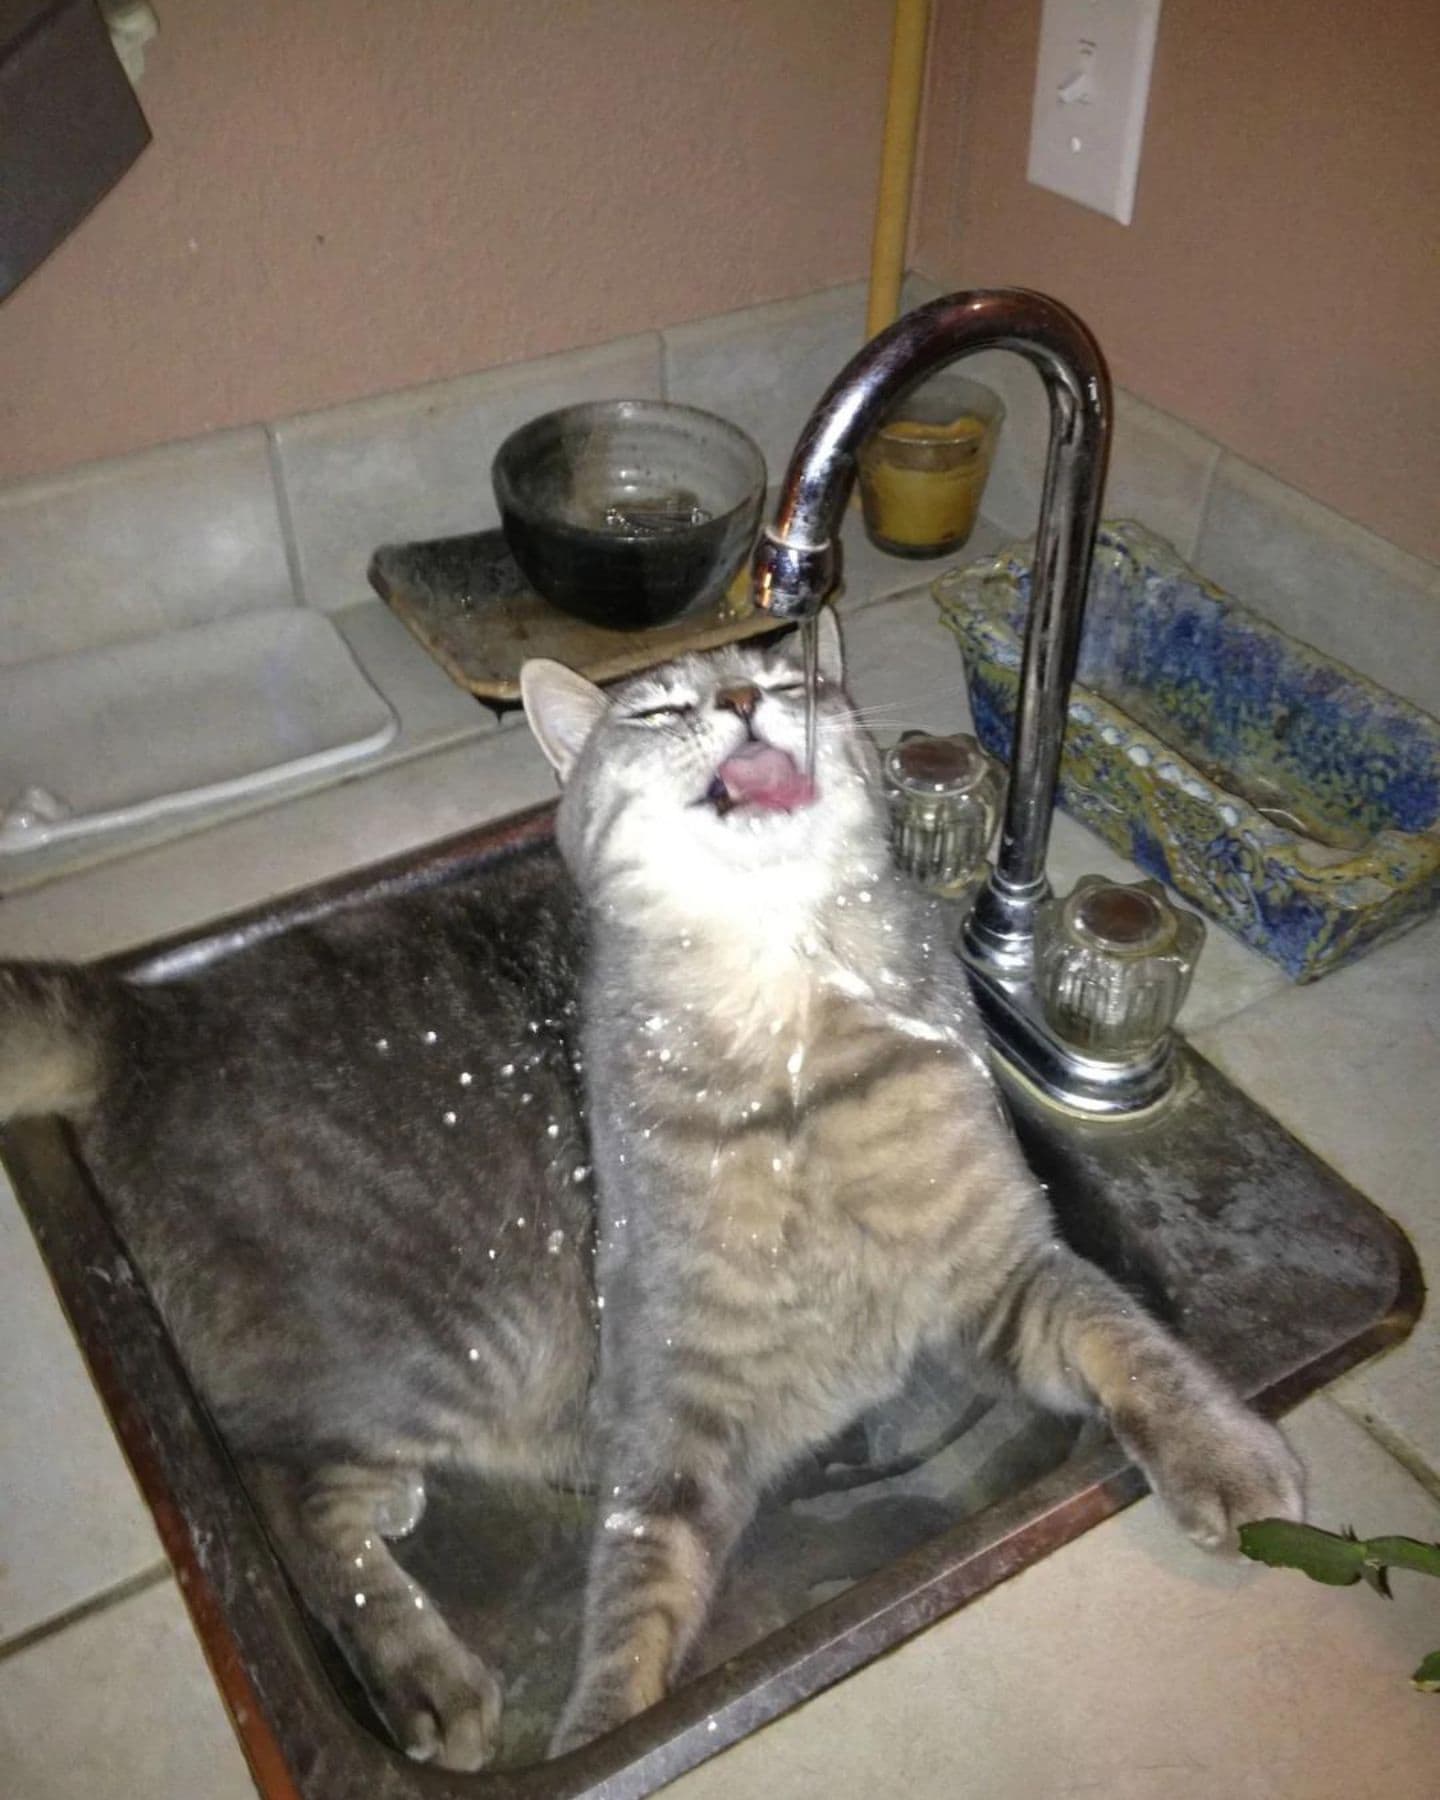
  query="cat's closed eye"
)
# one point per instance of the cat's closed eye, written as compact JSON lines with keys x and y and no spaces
{"x":663,"y":709}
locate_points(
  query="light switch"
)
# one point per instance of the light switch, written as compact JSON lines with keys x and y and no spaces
{"x":1091,"y":89}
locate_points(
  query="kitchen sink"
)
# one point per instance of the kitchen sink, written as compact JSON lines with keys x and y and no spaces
{"x":1255,"y":1251}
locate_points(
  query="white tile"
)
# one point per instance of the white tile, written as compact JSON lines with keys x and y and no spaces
{"x":903,"y":668}
{"x":1131,"y":1666}
{"x":1351,"y":1065}
{"x":72,"y":1523}
{"x":244,"y":861}
{"x":115,"y":550}
{"x":1160,"y":469}
{"x":1160,"y":472}
{"x":1324,"y":580}
{"x":765,"y":367}
{"x":416,"y":464}
{"x":869,"y":573}
{"x":119,"y":1706}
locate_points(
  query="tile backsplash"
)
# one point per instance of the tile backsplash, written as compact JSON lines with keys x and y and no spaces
{"x":292,"y":510}
{"x":113,"y":550}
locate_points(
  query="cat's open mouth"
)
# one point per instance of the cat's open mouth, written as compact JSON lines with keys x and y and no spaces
{"x":761,"y":778}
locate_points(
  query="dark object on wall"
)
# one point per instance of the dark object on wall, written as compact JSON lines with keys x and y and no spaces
{"x":70,"y":126}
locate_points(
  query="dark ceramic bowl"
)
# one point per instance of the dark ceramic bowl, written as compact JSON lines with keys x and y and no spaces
{"x":629,"y":512}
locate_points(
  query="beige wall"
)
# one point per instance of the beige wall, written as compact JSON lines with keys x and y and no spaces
{"x":1280,"y":284}
{"x":345,"y":197}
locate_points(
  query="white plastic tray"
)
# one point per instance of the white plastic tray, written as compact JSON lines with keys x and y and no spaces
{"x":103,"y":739}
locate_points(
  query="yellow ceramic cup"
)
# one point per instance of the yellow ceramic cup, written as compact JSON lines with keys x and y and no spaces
{"x":923,"y":471}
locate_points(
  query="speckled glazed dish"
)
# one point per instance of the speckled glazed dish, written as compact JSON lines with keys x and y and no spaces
{"x":1291,"y":799}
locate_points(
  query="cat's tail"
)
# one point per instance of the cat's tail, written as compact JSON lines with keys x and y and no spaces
{"x":51,"y":1039}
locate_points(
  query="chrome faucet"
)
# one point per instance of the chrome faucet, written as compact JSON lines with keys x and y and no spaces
{"x":797,"y":566}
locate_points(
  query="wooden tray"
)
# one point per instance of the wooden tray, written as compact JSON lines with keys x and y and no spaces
{"x":469,"y":605}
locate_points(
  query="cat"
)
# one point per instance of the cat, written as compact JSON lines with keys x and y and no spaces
{"x":655,"y":1181}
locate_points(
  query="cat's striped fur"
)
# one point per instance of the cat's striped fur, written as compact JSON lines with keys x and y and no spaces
{"x":802,"y":1176}
{"x":804,"y":1173}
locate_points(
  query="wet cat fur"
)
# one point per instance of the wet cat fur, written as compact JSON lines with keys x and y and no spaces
{"x":353,"y":1166}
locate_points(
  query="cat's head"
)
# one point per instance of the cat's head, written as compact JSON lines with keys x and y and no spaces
{"x":686,"y":786}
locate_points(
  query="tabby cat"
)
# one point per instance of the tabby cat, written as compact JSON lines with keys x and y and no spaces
{"x":354,"y":1165}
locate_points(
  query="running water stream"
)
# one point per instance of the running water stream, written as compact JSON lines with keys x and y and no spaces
{"x":810,"y":649}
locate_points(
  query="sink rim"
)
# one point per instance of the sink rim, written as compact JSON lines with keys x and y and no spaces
{"x":298,"y":1736}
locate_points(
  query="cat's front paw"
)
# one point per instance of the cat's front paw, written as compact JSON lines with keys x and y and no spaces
{"x":1223,"y":1468}
{"x":444,"y":1706}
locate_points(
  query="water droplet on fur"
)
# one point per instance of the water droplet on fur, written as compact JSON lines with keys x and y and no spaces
{"x":359,"y":1599}
{"x":507,"y":1069}
{"x":552,"y":1130}
{"x":449,"y":1117}
{"x":473,"y":1354}
{"x":492,"y":1255}
{"x":555,"y":1242}
{"x":466,"y":1078}
{"x":796,"y":1060}
{"x":581,"y":1171}
{"x":777,"y":1164}
{"x":382,"y":1045}
{"x":600,"y":1302}
{"x":520,"y":1221}
{"x":419,"y":1602}
{"x":429,"y":1037}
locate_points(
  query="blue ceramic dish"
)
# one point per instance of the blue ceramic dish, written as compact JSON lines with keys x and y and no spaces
{"x":1288,"y":797}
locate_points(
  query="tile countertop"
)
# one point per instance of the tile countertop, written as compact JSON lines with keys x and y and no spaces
{"x":1129,"y":1665}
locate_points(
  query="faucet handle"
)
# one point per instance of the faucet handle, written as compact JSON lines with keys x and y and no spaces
{"x":944,"y":795}
{"x":1113,"y":963}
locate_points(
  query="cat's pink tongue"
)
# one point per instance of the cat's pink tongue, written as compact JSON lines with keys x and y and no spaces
{"x":760,"y":775}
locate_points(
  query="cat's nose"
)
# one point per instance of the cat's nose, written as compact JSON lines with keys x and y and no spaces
{"x":741,"y":698}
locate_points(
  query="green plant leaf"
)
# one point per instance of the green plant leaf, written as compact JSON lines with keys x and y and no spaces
{"x":1322,"y":1555}
{"x":1427,"y":1676}
{"x":1404,"y":1553}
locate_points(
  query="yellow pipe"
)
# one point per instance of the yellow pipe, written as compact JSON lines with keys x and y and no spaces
{"x":897,"y":162}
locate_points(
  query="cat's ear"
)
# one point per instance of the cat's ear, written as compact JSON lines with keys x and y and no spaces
{"x":563,"y":709}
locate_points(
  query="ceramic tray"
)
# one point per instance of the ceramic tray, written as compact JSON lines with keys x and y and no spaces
{"x":1291,"y":799}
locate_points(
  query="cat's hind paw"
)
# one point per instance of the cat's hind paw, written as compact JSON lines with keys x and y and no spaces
{"x":445,"y":1709}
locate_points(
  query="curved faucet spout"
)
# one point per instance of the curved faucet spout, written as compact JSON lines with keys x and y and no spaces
{"x":797,"y":561}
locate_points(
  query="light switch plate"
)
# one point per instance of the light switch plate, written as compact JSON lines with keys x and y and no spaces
{"x":1092,"y":84}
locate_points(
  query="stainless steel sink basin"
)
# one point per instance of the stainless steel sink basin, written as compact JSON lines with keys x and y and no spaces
{"x":1257,"y":1252}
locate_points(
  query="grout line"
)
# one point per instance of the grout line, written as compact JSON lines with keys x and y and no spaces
{"x":85,"y":1609}
{"x":663,"y":357}
{"x":1202,"y":511}
{"x":1389,"y":1440}
{"x":287,"y":522}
